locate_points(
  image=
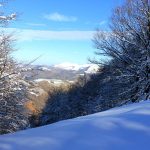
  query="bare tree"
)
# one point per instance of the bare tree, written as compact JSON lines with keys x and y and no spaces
{"x":12,"y":89}
{"x":128,"y":45}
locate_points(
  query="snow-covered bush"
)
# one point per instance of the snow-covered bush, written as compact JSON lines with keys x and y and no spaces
{"x":127,"y":44}
{"x":12,"y":89}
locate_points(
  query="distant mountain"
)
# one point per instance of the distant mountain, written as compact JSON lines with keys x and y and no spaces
{"x":63,"y":71}
{"x":93,"y":68}
{"x":71,"y":66}
{"x":42,"y":68}
{"x":87,"y":68}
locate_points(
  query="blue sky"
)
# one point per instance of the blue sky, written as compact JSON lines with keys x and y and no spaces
{"x":59,"y":30}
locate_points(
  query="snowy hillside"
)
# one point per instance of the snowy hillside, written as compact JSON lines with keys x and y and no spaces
{"x":70,"y":66}
{"x":89,"y":68}
{"x":53,"y":81}
{"x":124,"y":128}
{"x":63,"y":71}
{"x":92,"y":69}
{"x":44,"y":69}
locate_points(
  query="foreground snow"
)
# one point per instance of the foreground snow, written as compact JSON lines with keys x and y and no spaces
{"x":124,"y":128}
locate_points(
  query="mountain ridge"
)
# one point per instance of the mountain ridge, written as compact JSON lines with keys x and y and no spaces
{"x":63,"y":71}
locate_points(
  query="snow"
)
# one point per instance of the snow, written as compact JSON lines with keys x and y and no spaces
{"x":44,"y":69}
{"x":36,"y":91}
{"x":13,"y":16}
{"x":26,"y":69}
{"x":57,"y":82}
{"x":7,"y":18}
{"x":91,"y":68}
{"x":54,"y":81}
{"x":32,"y":93}
{"x":124,"y":128}
{"x":70,"y":66}
{"x":3,"y":17}
{"x":47,"y":80}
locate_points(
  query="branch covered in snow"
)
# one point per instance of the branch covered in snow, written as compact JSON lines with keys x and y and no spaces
{"x":128,"y":46}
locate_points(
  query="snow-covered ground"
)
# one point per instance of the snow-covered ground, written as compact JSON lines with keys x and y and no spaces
{"x":92,"y":69}
{"x":44,"y":69}
{"x":54,"y":81}
{"x":124,"y":128}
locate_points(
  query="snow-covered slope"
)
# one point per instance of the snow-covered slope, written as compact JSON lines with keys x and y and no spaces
{"x":89,"y":68}
{"x":53,"y":81}
{"x":124,"y":128}
{"x":70,"y":66}
{"x":92,"y":69}
{"x":44,"y":69}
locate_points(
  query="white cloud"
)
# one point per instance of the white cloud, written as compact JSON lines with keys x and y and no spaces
{"x":29,"y":35}
{"x":60,"y":17}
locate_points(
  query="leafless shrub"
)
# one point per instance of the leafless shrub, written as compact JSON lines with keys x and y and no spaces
{"x":12,"y":89}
